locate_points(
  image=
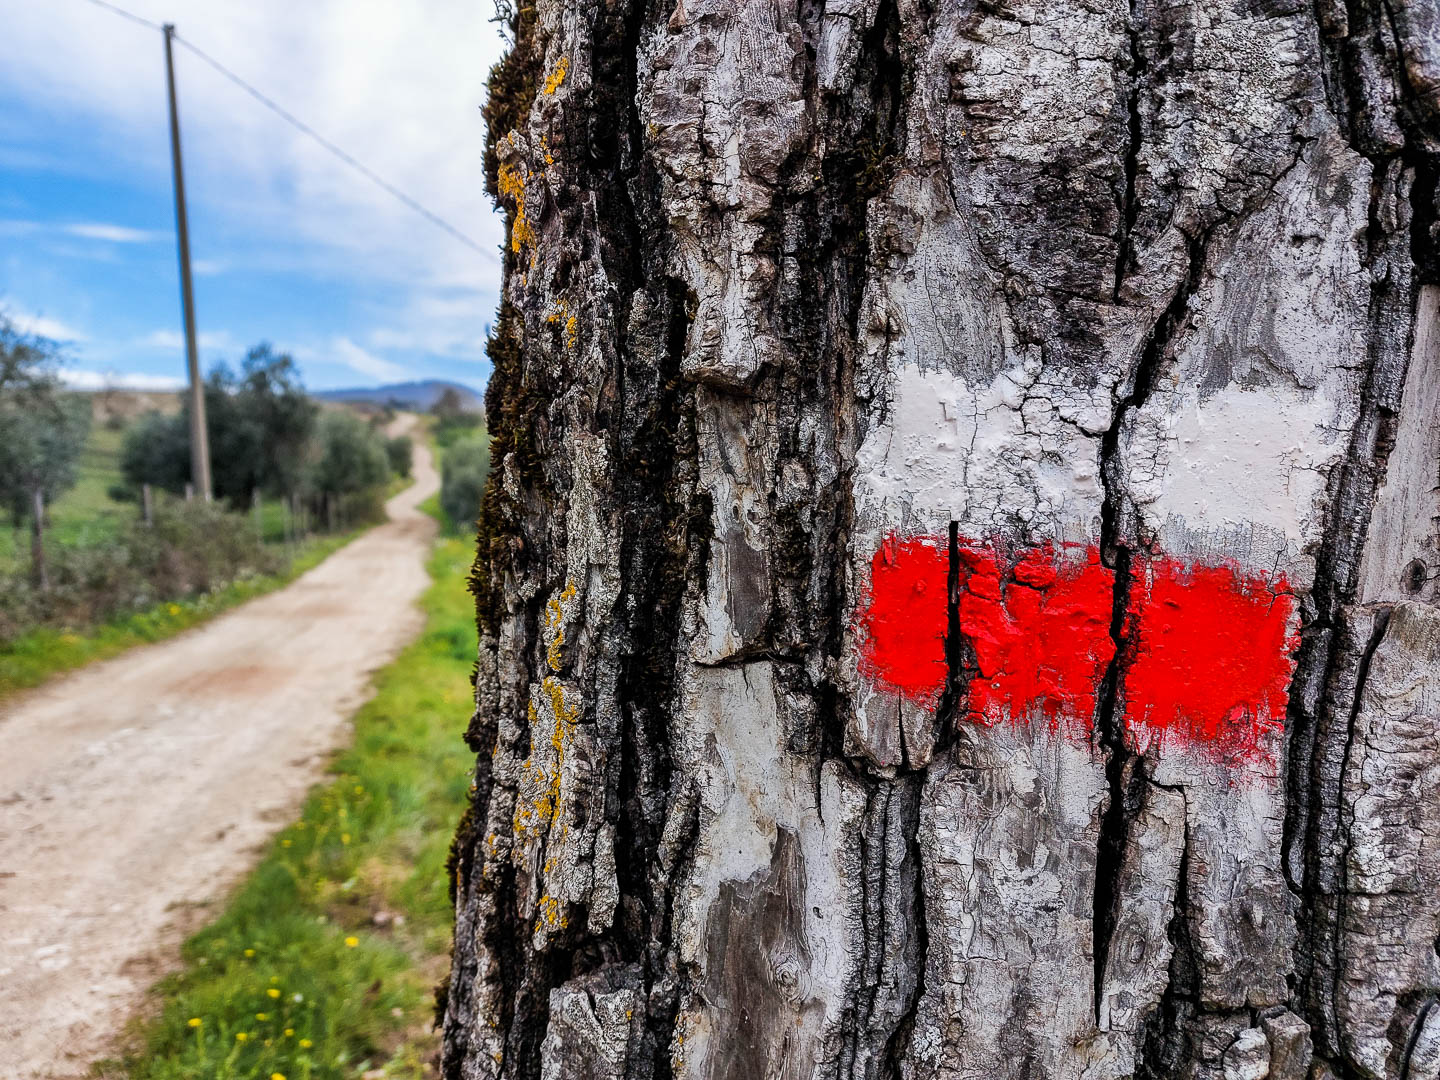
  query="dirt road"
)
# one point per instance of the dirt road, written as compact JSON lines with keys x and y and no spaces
{"x":140,"y":787}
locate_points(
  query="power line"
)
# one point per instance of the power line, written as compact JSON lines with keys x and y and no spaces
{"x":127,"y":15}
{"x":295,"y":122}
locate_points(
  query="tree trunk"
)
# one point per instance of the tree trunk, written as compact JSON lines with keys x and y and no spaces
{"x":957,"y":587}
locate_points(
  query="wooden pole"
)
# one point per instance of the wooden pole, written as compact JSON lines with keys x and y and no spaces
{"x":199,"y":438}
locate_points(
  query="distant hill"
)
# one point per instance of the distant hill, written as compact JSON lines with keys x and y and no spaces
{"x":416,"y":396}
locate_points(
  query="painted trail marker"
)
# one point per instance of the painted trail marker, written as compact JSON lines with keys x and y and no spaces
{"x":1206,"y":650}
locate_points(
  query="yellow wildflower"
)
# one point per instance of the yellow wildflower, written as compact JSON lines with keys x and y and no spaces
{"x":249,"y":952}
{"x":195,"y":1021}
{"x":277,"y":1076}
{"x":273,"y":992}
{"x":174,"y":609}
{"x":241,"y":1036}
{"x":305,"y":1044}
{"x":351,"y":942}
{"x":289,"y":1032}
{"x":262,"y":1016}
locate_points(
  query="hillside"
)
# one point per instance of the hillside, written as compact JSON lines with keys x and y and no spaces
{"x":417,"y":396}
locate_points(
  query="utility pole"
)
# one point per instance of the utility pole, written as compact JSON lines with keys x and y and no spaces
{"x":199,"y":439}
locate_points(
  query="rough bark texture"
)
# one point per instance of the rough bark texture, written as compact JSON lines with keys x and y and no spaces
{"x":790,"y":286}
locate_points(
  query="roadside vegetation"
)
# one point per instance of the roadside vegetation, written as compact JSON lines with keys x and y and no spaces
{"x":32,"y":657}
{"x":323,"y":963}
{"x":464,"y":461}
{"x":105,"y":551}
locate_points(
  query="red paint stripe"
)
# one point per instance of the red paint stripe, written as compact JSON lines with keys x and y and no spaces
{"x":1040,"y":628}
{"x":1211,"y":648}
{"x":1213,"y":658}
{"x":905,"y":621}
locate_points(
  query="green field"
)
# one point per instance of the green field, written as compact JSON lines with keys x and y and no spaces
{"x":322,"y":964}
{"x":85,"y":514}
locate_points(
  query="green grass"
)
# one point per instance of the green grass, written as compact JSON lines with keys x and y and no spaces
{"x":445,"y":436}
{"x":298,"y":963}
{"x":36,"y":656}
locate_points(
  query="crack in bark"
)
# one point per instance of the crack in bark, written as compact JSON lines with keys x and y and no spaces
{"x":1129,"y":208}
{"x":1342,"y":837}
{"x":1164,"y":1042}
{"x":1123,"y":768}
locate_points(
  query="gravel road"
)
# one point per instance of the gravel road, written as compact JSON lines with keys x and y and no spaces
{"x":138,"y":790}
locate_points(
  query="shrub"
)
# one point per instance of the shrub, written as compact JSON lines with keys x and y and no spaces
{"x":193,"y":548}
{"x":462,"y":481}
{"x":401,"y":451}
{"x":351,"y":456}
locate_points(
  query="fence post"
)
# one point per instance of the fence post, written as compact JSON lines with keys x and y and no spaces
{"x":37,"y":541}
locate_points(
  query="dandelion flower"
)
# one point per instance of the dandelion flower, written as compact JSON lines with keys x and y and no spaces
{"x":351,"y":942}
{"x":289,"y":1032}
{"x":195,"y":1021}
{"x":174,"y":609}
{"x":285,"y":843}
{"x":277,"y":1076}
{"x":241,"y":1036}
{"x":344,"y":838}
{"x":262,"y":1016}
{"x":305,"y":1044}
{"x":272,"y":992}
{"x":249,"y":953}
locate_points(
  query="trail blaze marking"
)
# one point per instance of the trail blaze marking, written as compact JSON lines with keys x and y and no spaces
{"x":1208,"y":649}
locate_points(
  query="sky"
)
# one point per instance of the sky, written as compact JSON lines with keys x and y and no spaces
{"x":288,"y":245}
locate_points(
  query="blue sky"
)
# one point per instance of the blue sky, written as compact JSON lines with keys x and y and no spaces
{"x":288,"y":244}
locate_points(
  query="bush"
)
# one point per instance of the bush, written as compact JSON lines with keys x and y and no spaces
{"x":193,"y":548}
{"x":462,"y":481}
{"x":401,"y":452}
{"x":351,"y":455}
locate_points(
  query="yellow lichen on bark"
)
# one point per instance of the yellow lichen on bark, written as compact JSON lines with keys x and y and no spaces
{"x":511,"y":180}
{"x":556,"y":77}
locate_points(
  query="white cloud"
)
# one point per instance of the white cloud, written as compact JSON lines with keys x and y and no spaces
{"x":366,"y":363}
{"x":109,"y":380}
{"x":43,"y":326}
{"x":113,"y":234}
{"x":208,"y":267}
{"x":85,"y":230}
{"x":174,"y":340}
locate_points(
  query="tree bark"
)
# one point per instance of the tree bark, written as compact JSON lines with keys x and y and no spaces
{"x":1071,"y":319}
